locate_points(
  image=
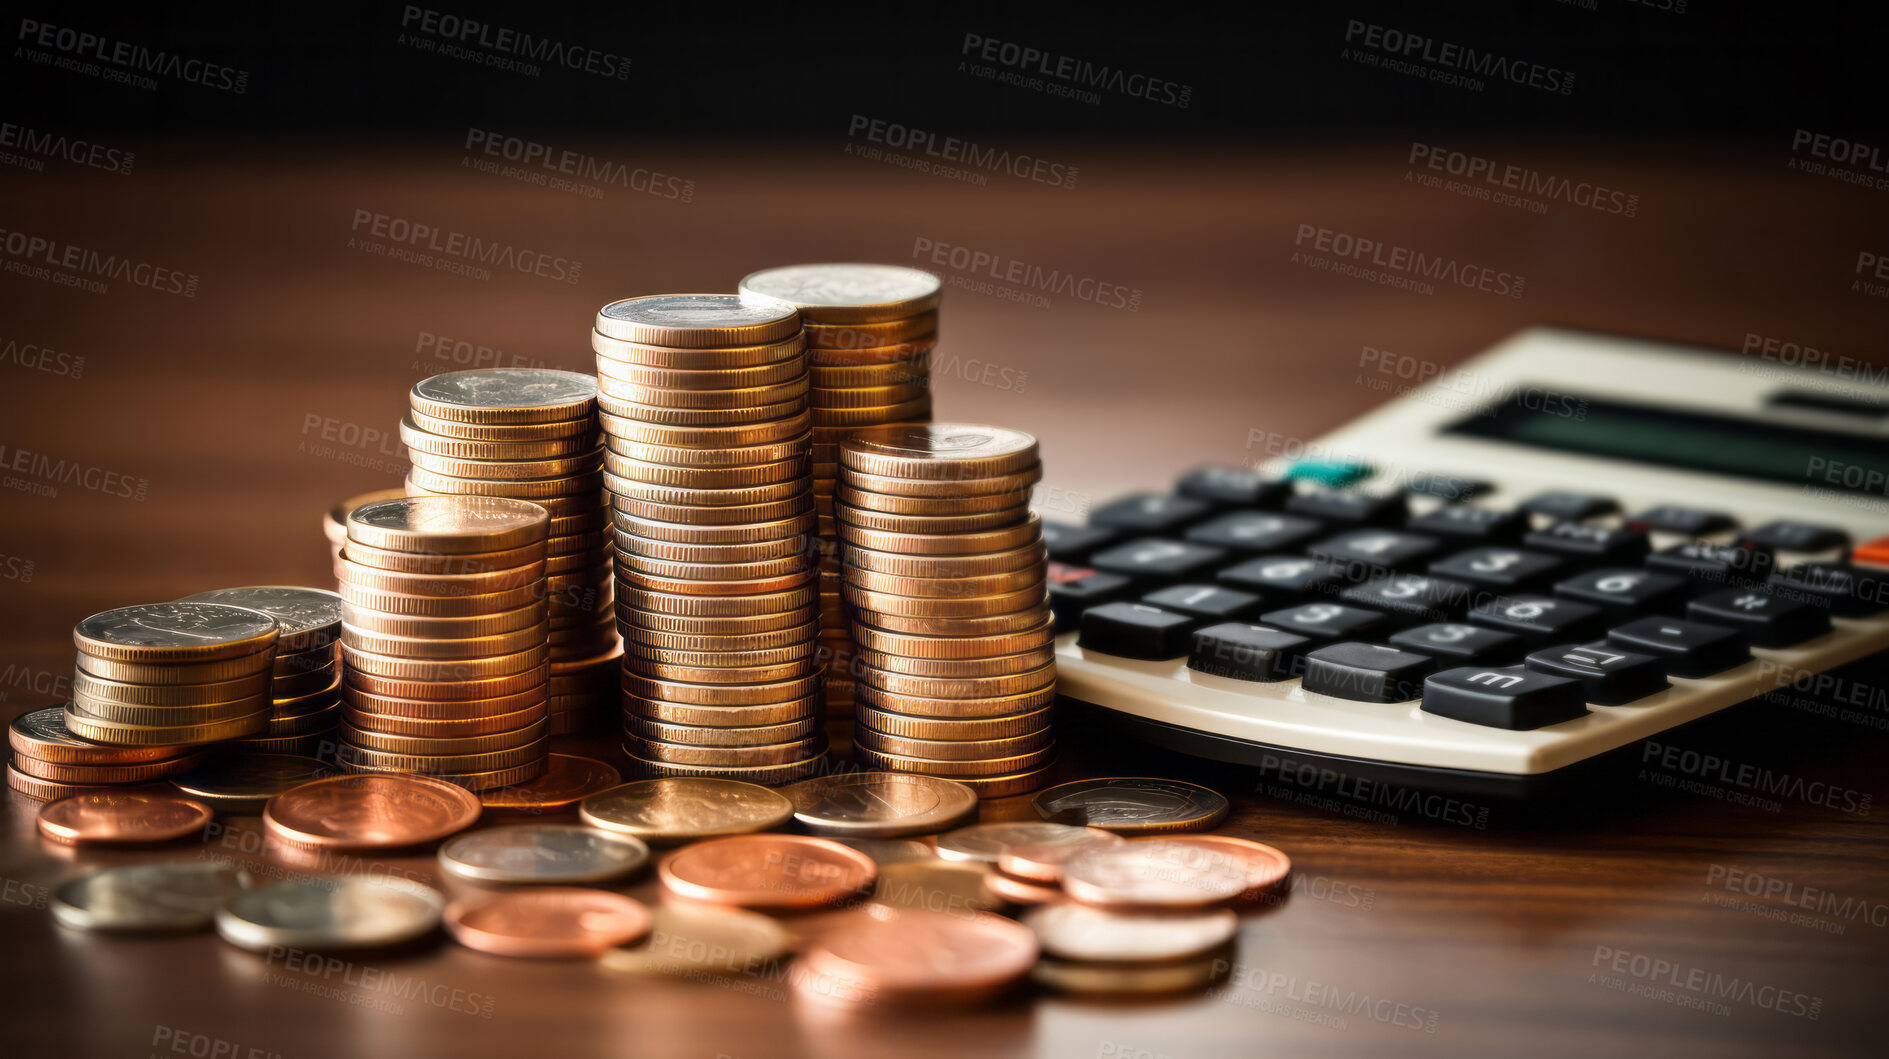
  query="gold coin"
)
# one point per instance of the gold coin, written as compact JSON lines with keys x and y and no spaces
{"x":334,"y":525}
{"x":633,"y":623}
{"x":731,"y":398}
{"x":870,"y":335}
{"x":949,"y":587}
{"x":86,"y":726}
{"x":959,"y":687}
{"x":172,"y":674}
{"x":135,"y":694}
{"x":719,"y":607}
{"x":850,"y":419}
{"x":737,"y":436}
{"x":941,"y":488}
{"x":954,"y":769}
{"x":642,"y":548}
{"x":855,"y":355}
{"x":631,"y":579}
{"x":528,"y":433}
{"x":486,"y":743}
{"x":182,"y":632}
{"x":295,"y":684}
{"x":449,"y":727}
{"x":652,"y":573}
{"x":524,"y":489}
{"x":699,"y":321}
{"x":673,"y":811}
{"x":471,"y":626}
{"x":759,"y":693}
{"x":848,"y":293}
{"x":401,"y":604}
{"x":741,"y":378}
{"x":104,"y":775}
{"x":954,"y":708}
{"x":914,"y":367}
{"x":744,"y":658}
{"x":572,"y":543}
{"x":705,"y":477}
{"x":954,"y":749}
{"x":725,"y":456}
{"x":996,"y":666}
{"x":505,"y":395}
{"x":745,"y":735}
{"x":929,"y":607}
{"x":703,"y":717}
{"x":473,"y":781}
{"x":763,"y":775}
{"x":797,"y":526}
{"x":481,"y":584}
{"x":723,"y":756}
{"x":350,"y":755}
{"x":50,"y":790}
{"x":419,"y":440}
{"x":884,"y":396}
{"x":446,"y":690}
{"x":460,"y":669}
{"x":909,"y":645}
{"x":660,"y":415}
{"x":929,"y":506}
{"x":746,"y":496}
{"x":643,"y":354}
{"x":470,"y":647}
{"x":590,"y":521}
{"x":560,"y":467}
{"x":896,"y":564}
{"x":926,"y":525}
{"x":743,"y":676}
{"x":728,"y":515}
{"x":654,"y":640}
{"x":584,"y":503}
{"x":905,"y":726}
{"x":447,"y":525}
{"x":954,"y":451}
{"x":168,"y":716}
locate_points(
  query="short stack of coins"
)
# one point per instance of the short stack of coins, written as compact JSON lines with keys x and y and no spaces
{"x":704,"y":409}
{"x":870,"y":333}
{"x":306,"y":686}
{"x":531,"y":434}
{"x":172,"y":675}
{"x":50,"y":762}
{"x":334,"y":524}
{"x":445,"y":653}
{"x":945,"y":566}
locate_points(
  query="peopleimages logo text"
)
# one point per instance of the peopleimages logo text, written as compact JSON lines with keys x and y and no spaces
{"x":1447,"y":55}
{"x":81,"y":45}
{"x":470,"y":32}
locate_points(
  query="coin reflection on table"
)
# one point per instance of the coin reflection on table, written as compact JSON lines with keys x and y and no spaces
{"x":176,"y":897}
{"x":567,"y":780}
{"x":127,"y":817}
{"x":330,"y":914}
{"x":547,"y":922}
{"x":244,"y":783}
{"x":1077,"y":932}
{"x":542,"y":853}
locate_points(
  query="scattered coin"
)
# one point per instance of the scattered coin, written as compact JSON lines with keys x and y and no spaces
{"x":1022,"y":891}
{"x":672,"y":810}
{"x":935,"y":885}
{"x":1078,"y":932}
{"x":983,"y":842}
{"x":177,"y":897}
{"x":903,"y":957}
{"x":122,"y":817}
{"x":375,"y":811}
{"x":880,"y":804}
{"x":1153,"y":875}
{"x":330,"y":914}
{"x":685,"y":941}
{"x":244,"y":782}
{"x":542,"y":853}
{"x":547,"y":922}
{"x":1132,"y":805}
{"x":887,"y":851}
{"x":567,"y":780}
{"x":1264,"y":866}
{"x":1043,"y":862}
{"x":775,"y":872}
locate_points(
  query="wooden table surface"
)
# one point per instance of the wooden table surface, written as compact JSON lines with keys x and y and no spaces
{"x":239,"y":414}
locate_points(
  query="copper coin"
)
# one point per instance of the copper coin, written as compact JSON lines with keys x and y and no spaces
{"x":1041,"y":859}
{"x":376,"y":811}
{"x":122,"y":816}
{"x":779,"y":872}
{"x":899,"y":956}
{"x":870,"y":337}
{"x":1022,"y":891}
{"x":43,"y":735}
{"x":1264,"y":866}
{"x":567,"y":780}
{"x":547,"y":921}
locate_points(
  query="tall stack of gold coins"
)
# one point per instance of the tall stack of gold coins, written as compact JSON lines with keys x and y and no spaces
{"x":50,"y":762}
{"x":445,"y":656}
{"x":531,"y":434}
{"x":172,"y":674}
{"x":306,"y":686}
{"x":704,"y":408}
{"x":334,"y":524}
{"x":945,"y":568}
{"x":870,"y":332}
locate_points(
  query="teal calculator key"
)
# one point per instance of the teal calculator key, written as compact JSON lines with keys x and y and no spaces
{"x":1332,"y":474}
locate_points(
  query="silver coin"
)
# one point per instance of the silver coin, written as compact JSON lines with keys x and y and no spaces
{"x":175,"y":625}
{"x":1132,"y":804}
{"x":147,"y":898}
{"x":330,"y":913}
{"x":49,"y":726}
{"x":985,"y":841}
{"x":1152,"y":874}
{"x":1078,"y":932}
{"x":542,"y":853}
{"x":507,"y":388}
{"x":698,"y":310}
{"x":813,"y":286}
{"x":309,"y":617}
{"x":880,"y":804}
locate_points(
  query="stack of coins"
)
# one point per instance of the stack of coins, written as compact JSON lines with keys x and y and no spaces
{"x":944,"y":568}
{"x":172,"y":674}
{"x":306,"y":685}
{"x":334,"y":524}
{"x":531,"y":434}
{"x":870,"y":332}
{"x":445,"y":640}
{"x":704,"y":409}
{"x":50,"y":762}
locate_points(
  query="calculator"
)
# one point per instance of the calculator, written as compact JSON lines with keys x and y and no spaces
{"x":1558,"y":549}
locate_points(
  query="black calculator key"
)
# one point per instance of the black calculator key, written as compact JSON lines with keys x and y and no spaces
{"x":1153,"y":560}
{"x":1413,"y":597}
{"x":1256,"y":531}
{"x":1514,"y":698}
{"x":1714,"y":564}
{"x":1471,"y":524}
{"x":1248,"y":652}
{"x":1624,"y":591}
{"x":1539,"y":619}
{"x":1458,"y":642}
{"x":1350,"y":508}
{"x":1385,"y":549}
{"x":1845,"y":591}
{"x":1449,"y":487}
{"x":1136,"y":630}
{"x":1765,"y":619}
{"x":1209,"y":602}
{"x":1325,"y":621}
{"x":1279,"y":580}
{"x":1564,"y":506}
{"x":1609,"y":676}
{"x":1595,"y":544}
{"x":1687,"y":648}
{"x":1508,"y":569}
{"x":1074,"y":589}
{"x":1233,"y":486}
{"x":1074,"y":544}
{"x":1150,"y":513}
{"x":1367,"y":672}
{"x":1691,"y":521}
{"x":1798,"y":537}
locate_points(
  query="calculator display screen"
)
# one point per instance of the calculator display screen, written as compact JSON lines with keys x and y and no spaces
{"x":1746,"y":448}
